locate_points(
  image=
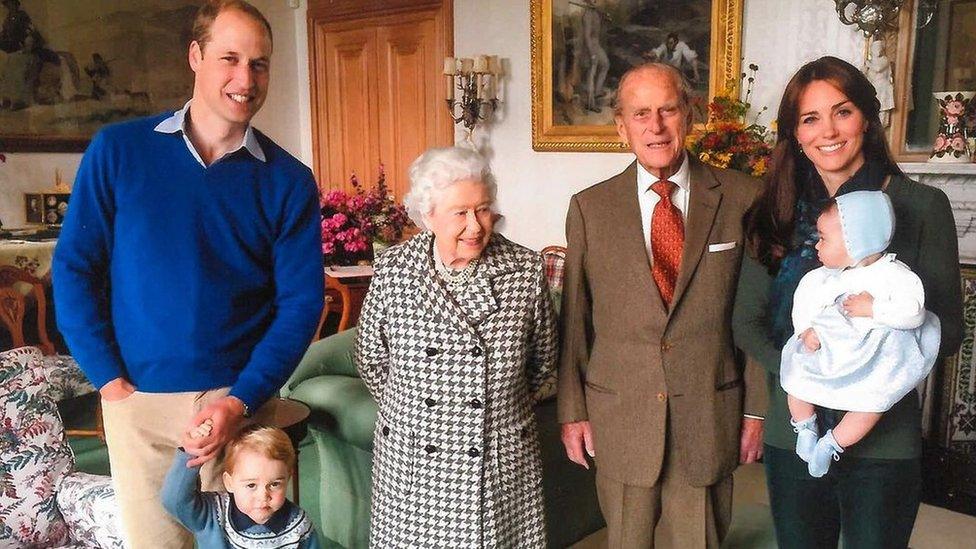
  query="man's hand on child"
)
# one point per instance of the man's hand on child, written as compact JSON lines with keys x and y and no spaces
{"x":810,"y":339}
{"x":202,"y":430}
{"x":224,"y":416}
{"x":861,"y":304}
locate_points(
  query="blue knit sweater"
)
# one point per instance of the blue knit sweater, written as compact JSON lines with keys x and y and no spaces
{"x":184,"y":278}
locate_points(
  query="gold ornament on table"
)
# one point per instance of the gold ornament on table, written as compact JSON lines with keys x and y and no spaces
{"x":59,"y":185}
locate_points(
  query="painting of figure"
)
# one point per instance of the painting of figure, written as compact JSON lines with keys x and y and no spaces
{"x":581,"y":48}
{"x":600,"y":39}
{"x":68,"y":67}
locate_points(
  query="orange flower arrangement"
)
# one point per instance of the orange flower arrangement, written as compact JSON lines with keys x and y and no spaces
{"x":727,"y":141}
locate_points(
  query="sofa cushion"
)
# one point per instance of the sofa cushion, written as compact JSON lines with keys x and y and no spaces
{"x":341,"y":405}
{"x":34,"y":455}
{"x":90,"y":509}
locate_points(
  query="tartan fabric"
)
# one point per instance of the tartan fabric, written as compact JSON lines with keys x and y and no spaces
{"x":555,"y":262}
{"x":667,"y":240}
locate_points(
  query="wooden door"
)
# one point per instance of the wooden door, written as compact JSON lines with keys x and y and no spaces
{"x":352,"y":137}
{"x":377,"y":91}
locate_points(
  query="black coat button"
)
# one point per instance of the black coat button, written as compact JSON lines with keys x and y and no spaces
{"x":431,"y":351}
{"x":473,"y":452}
{"x":430,"y":449}
{"x":386,"y":430}
{"x":475,"y":404}
{"x":477,"y":351}
{"x":430,"y":402}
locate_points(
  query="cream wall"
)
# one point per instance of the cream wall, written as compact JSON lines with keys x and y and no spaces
{"x":533,"y":188}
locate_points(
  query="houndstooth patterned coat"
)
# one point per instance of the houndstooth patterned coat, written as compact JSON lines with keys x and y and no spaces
{"x":456,"y":454}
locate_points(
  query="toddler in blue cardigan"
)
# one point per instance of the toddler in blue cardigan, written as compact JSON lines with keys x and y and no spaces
{"x":253,"y":512}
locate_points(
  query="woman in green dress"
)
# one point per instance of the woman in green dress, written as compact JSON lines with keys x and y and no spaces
{"x":831,"y":142}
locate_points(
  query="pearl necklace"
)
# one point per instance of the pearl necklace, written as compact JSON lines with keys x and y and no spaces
{"x":453,"y":278}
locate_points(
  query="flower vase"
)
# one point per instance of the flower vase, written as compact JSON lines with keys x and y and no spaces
{"x":951,"y":143}
{"x":349,"y":259}
{"x":379,"y":247}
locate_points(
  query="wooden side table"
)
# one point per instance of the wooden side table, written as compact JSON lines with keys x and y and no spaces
{"x":347,"y":287}
{"x":291,"y":416}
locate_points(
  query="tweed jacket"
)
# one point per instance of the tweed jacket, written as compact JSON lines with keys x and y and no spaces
{"x":456,"y":454}
{"x":632,"y":367}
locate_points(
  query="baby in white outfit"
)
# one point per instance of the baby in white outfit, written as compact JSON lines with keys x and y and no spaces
{"x":863,"y":337}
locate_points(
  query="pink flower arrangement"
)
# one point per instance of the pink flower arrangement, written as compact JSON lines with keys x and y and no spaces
{"x":351,"y":223}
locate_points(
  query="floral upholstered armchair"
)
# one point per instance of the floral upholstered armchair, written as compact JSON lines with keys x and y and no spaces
{"x":43,"y":501}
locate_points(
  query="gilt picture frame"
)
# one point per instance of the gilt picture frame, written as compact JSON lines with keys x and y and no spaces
{"x":580,"y":48}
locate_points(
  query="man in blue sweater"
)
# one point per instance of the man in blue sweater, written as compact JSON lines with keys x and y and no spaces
{"x":188,"y":275}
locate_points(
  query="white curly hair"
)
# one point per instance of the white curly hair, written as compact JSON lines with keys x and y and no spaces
{"x":438,"y":169}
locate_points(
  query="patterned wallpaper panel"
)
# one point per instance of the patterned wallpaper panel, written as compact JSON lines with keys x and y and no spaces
{"x":959,"y":432}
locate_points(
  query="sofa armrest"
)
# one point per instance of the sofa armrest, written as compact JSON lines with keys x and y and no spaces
{"x":340,"y":406}
{"x":333,"y":355}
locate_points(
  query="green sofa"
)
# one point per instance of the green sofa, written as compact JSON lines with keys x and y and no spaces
{"x":341,"y":428}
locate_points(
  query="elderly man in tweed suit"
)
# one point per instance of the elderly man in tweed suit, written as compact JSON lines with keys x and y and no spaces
{"x":648,"y":383}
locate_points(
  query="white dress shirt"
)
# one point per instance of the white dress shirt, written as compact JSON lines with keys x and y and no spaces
{"x":648,"y":198}
{"x":177,"y":123}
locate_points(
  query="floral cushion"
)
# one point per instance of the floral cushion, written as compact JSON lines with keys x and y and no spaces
{"x":34,"y":455}
{"x":64,"y":378}
{"x":89,"y":507}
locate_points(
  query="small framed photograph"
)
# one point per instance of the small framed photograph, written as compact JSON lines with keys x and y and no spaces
{"x":46,"y":208}
{"x":33,"y":208}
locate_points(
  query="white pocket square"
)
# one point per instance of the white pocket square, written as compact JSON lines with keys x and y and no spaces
{"x":721,"y":246}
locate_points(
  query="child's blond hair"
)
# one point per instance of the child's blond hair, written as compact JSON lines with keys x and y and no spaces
{"x":271,"y":442}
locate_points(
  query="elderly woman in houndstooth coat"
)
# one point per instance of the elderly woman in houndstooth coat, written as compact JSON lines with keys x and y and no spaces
{"x":456,"y":332}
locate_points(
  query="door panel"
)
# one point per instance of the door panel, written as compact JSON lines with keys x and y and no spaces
{"x":377,"y":90}
{"x":405,"y":55}
{"x":351,"y":106}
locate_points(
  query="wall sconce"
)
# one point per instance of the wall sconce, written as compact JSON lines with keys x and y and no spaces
{"x":872,"y":17}
{"x":472,"y":89}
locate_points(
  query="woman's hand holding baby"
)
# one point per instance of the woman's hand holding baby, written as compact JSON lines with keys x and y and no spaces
{"x":861,"y":304}
{"x":810,"y":339}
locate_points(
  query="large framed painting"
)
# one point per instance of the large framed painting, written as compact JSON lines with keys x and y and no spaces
{"x":67,"y":67}
{"x":581,"y":48}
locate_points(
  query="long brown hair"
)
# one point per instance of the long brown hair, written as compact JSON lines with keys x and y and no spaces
{"x":769,"y":223}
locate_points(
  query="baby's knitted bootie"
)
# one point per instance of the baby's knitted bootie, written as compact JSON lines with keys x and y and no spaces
{"x":827,"y":450}
{"x":806,"y":436}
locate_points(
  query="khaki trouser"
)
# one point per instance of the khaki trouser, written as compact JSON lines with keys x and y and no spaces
{"x":142,"y":432}
{"x":670,"y":514}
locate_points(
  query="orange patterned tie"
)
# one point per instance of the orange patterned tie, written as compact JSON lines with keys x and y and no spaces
{"x":667,"y":240}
